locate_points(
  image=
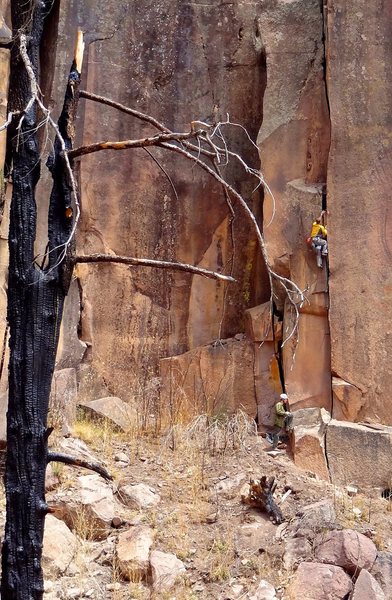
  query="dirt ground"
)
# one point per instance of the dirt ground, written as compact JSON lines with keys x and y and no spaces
{"x":200,"y":518}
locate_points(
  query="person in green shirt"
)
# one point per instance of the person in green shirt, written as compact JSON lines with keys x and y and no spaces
{"x":283,"y":419}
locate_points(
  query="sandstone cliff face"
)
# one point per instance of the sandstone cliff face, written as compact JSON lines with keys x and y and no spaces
{"x":359,"y":174}
{"x":176,"y":61}
{"x":269,"y":64}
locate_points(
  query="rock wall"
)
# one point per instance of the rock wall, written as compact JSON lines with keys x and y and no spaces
{"x":311,"y":83}
{"x":359,"y":45}
{"x":177,"y":61}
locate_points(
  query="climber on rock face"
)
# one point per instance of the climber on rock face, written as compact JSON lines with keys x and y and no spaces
{"x":319,"y":241}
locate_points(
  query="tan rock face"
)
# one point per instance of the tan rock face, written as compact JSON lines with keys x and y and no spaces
{"x":348,"y":400}
{"x":178,"y":63}
{"x":359,"y":175}
{"x":210,"y":379}
{"x":354,"y":450}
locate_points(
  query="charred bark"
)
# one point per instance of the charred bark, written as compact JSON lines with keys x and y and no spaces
{"x":35,"y":304}
{"x":260,"y":494}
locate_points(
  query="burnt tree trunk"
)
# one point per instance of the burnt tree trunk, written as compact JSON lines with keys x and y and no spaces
{"x":35,"y":305}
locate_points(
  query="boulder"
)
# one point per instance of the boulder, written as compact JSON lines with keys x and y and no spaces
{"x":367,"y":588}
{"x":214,"y":378}
{"x":88,"y":508}
{"x":316,"y":581}
{"x":113,"y":409}
{"x":63,"y":399}
{"x":314,"y":518}
{"x":264,"y":591}
{"x":59,"y":546}
{"x":296,"y":550}
{"x":133,"y":552}
{"x":309,"y":454}
{"x":166,"y":569}
{"x":350,"y":445}
{"x":308,"y":440}
{"x":310,"y":418}
{"x":138,"y":496}
{"x":382,"y":572}
{"x":348,"y":549}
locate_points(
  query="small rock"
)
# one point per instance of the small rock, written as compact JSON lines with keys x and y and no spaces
{"x":237,"y":589}
{"x":165,"y":570}
{"x":113,"y":587}
{"x":212,"y":518}
{"x":264,"y":591}
{"x":351,"y":490}
{"x":133,"y":552}
{"x":138,"y":496}
{"x":117,"y":522}
{"x":122,"y":458}
{"x":73,"y":593}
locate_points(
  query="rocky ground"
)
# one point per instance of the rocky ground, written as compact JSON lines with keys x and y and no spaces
{"x":171,"y":524}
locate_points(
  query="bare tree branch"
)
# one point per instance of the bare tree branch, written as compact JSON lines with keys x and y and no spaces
{"x":139,"y":115}
{"x":79,"y":462}
{"x":126,"y":144}
{"x":146,"y":262}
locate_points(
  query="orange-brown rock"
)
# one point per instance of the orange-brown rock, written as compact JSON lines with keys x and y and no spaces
{"x":258,"y":323}
{"x":306,"y":354}
{"x":309,"y":441}
{"x":177,"y":62}
{"x":360,"y":216}
{"x":210,"y":379}
{"x":347,"y":400}
{"x":267,"y":382}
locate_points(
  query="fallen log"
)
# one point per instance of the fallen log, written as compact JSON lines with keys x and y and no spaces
{"x":259,"y":493}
